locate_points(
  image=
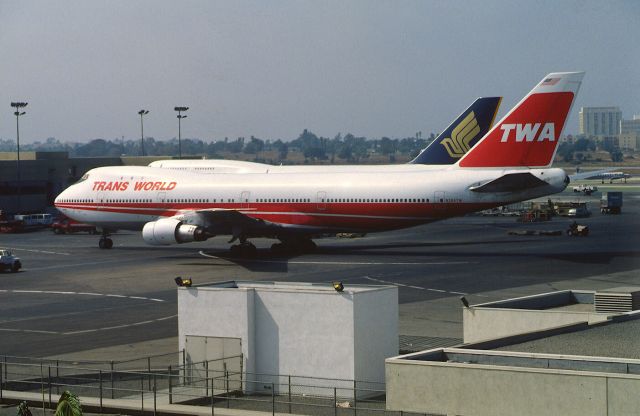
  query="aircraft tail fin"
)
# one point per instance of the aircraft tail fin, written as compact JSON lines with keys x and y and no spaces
{"x":529,"y":134}
{"x":462,"y":134}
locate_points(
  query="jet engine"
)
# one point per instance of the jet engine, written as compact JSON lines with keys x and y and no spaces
{"x":169,"y":231}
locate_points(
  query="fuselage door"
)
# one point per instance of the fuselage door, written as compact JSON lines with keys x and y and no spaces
{"x":244,"y":199}
{"x":321,"y":200}
{"x":162,"y":197}
{"x":438,"y":197}
{"x":100,"y":200}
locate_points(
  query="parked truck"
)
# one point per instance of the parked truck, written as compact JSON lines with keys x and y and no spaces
{"x":611,"y":203}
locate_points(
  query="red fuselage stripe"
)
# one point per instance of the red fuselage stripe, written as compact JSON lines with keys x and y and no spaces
{"x":378,"y":215}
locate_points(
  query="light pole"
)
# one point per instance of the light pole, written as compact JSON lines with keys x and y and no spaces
{"x":180,"y":117}
{"x":18,"y":106}
{"x":142,"y":113}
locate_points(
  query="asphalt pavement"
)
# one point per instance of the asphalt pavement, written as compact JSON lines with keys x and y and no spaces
{"x":73,"y":297}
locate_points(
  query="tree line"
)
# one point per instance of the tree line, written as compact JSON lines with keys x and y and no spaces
{"x":311,"y":147}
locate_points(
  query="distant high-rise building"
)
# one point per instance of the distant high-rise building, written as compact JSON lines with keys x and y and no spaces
{"x":630,"y":141}
{"x":600,"y":121}
{"x":630,"y":126}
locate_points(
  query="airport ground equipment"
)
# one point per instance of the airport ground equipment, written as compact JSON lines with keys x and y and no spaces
{"x":577,"y":230}
{"x":563,"y":208}
{"x":585,"y":189}
{"x":611,"y":203}
{"x":67,"y":226}
{"x":539,"y":211}
{"x":9,"y":225}
{"x":579,"y":211}
{"x":35,"y":220}
{"x":8,"y":261}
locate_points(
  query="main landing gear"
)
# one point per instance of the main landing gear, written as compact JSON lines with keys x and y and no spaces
{"x":286,"y":247}
{"x":244,"y":249}
{"x":105,"y":242}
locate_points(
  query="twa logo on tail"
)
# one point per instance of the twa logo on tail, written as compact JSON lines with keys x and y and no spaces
{"x":527,"y":132}
{"x":528,"y":135}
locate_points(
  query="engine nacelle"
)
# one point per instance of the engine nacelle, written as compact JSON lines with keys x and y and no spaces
{"x":169,"y":231}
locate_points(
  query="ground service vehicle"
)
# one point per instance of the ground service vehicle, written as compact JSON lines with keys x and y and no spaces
{"x":585,"y":189}
{"x":577,"y":230}
{"x":9,"y":225}
{"x":611,"y":203}
{"x":8,"y":261}
{"x":579,"y":211}
{"x":67,"y":226}
{"x":34,"y":220}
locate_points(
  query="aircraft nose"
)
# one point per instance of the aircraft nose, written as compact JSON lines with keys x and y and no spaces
{"x":59,"y":199}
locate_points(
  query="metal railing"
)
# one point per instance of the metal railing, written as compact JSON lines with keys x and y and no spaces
{"x":212,"y":383}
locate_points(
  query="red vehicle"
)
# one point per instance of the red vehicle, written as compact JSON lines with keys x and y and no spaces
{"x":67,"y":225}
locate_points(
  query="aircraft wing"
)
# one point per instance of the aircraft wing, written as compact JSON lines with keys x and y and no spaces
{"x":509,"y":183}
{"x":234,"y":222}
{"x":225,"y":215}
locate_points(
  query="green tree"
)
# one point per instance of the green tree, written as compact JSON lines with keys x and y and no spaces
{"x":68,"y":405}
{"x":254,"y":146}
{"x":616,"y":155}
{"x":23,"y":409}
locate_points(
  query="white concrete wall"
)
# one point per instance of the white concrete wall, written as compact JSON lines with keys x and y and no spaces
{"x":304,"y":334}
{"x":481,"y":324}
{"x":466,"y":389}
{"x":218,"y":313}
{"x":376,"y":333}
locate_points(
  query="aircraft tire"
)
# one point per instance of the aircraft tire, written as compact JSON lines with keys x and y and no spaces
{"x":277,"y":248}
{"x":307,"y":246}
{"x":105,"y":243}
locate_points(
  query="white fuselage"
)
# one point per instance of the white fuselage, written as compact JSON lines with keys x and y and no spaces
{"x":397,"y":196}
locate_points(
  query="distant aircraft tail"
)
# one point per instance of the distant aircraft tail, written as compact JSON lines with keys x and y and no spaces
{"x":528,"y":135}
{"x":462,"y":134}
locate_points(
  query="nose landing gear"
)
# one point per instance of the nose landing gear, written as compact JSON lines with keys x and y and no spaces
{"x":105,"y":242}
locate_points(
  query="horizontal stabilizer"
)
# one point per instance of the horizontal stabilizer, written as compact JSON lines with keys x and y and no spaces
{"x":510,"y":182}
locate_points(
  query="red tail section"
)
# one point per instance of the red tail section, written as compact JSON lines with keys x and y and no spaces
{"x":528,"y":135}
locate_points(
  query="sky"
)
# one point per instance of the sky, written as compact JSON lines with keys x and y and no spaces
{"x":273,"y":68}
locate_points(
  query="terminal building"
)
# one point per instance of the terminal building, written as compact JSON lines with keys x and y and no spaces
{"x":43,"y":175}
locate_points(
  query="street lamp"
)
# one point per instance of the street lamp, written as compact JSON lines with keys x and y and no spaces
{"x":18,"y":106}
{"x":180,"y":117}
{"x":142,"y":113}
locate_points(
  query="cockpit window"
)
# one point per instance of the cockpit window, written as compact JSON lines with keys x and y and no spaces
{"x":84,"y":178}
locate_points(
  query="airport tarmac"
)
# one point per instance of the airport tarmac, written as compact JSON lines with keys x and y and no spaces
{"x":72,"y":297}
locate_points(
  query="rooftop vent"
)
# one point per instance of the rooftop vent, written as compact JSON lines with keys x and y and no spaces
{"x":618,"y":299}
